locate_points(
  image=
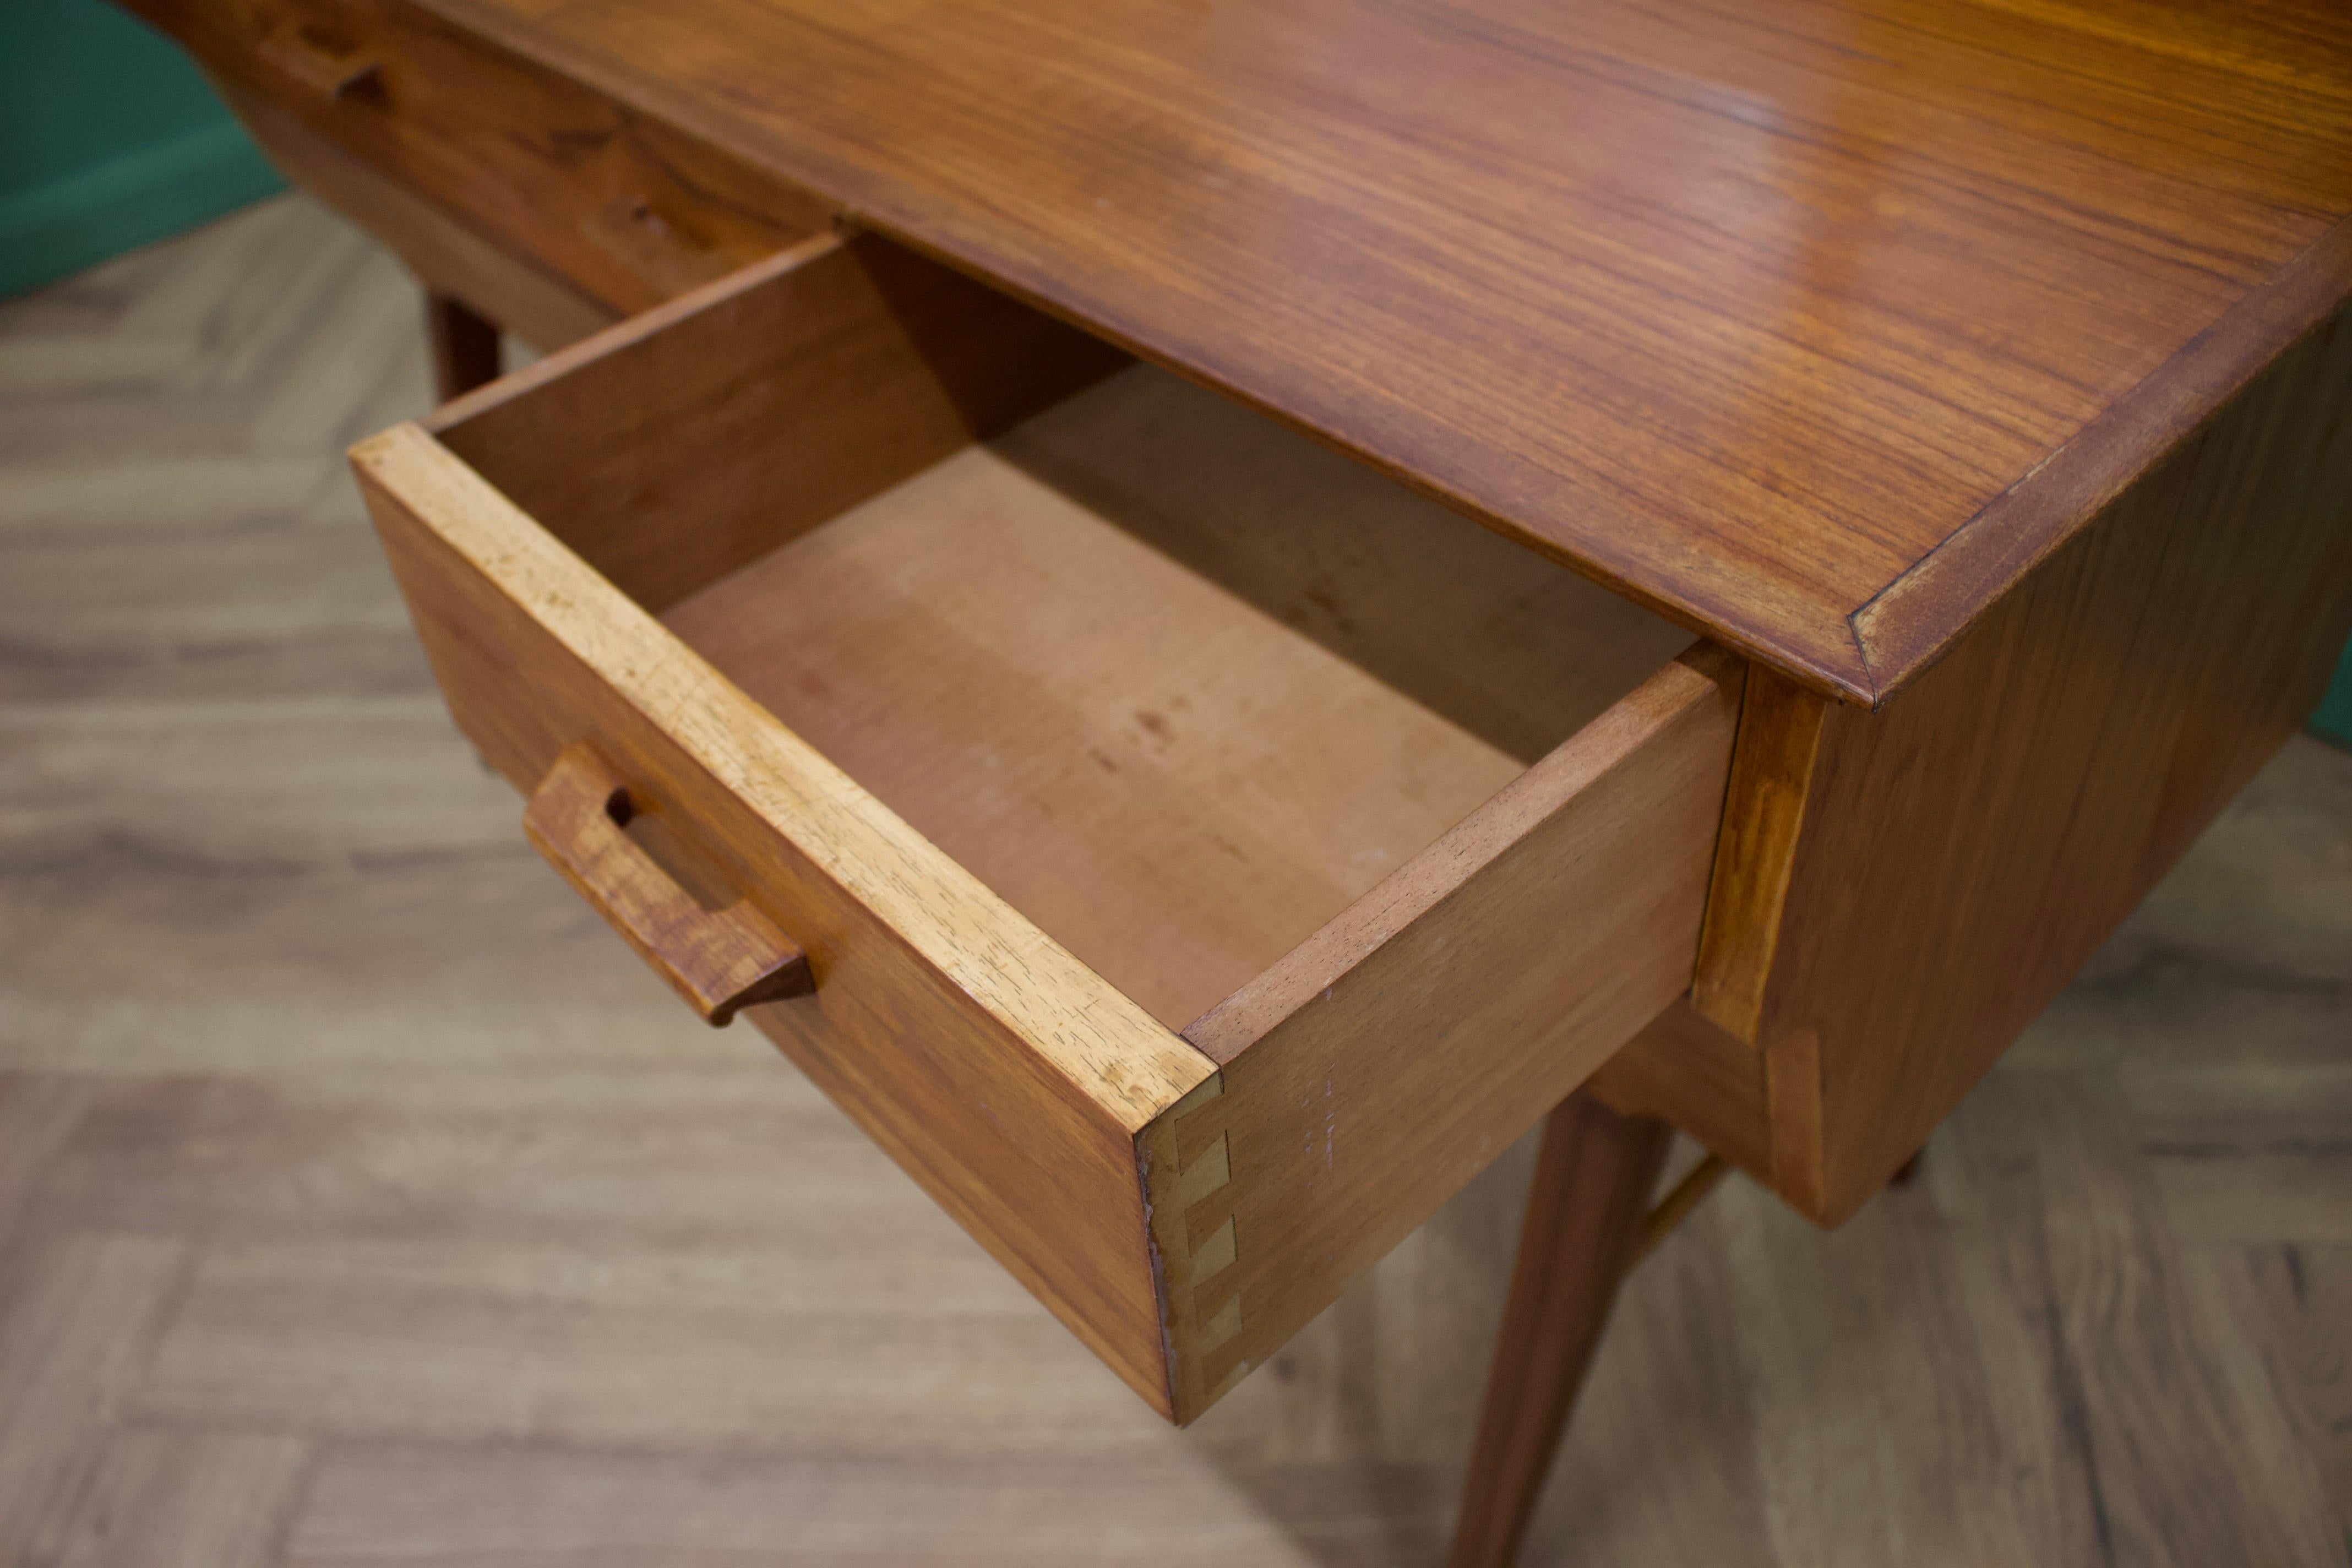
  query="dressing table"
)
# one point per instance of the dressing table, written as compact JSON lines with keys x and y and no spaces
{"x":1207,"y":611}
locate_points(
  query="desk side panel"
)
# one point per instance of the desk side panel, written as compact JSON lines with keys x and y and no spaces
{"x":1966,"y":849}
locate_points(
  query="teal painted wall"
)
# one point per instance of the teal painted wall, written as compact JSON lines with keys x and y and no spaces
{"x":108,"y":138}
{"x":2333,"y":719}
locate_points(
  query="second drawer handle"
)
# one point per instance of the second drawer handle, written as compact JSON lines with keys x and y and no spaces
{"x":333,"y":74}
{"x":628,"y":230}
{"x":719,"y":960}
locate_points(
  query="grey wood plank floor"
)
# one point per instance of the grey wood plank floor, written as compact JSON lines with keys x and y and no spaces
{"x":363,"y":1203}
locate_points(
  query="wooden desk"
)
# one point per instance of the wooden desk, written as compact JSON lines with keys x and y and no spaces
{"x":1206,"y":844}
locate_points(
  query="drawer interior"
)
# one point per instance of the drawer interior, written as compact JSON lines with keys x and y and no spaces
{"x":1201,"y":853}
{"x":1177,"y":682}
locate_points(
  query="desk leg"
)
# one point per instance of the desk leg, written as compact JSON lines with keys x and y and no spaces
{"x":464,"y":346}
{"x":1584,"y":1217}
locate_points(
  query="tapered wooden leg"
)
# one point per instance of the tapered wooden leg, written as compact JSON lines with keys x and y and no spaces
{"x":1584,"y":1217}
{"x":464,"y":346}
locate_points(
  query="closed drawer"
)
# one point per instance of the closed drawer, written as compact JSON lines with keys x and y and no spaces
{"x":1190,"y":855}
{"x":627,"y":211}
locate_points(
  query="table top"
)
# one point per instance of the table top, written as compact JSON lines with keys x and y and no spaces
{"x":1812,"y":323}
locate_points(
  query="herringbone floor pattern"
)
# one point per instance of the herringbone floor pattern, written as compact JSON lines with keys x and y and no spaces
{"x":362,"y":1202}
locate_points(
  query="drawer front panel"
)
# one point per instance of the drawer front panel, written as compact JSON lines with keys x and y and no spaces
{"x":446,"y":254}
{"x":626,"y":210}
{"x":1004,"y":1076}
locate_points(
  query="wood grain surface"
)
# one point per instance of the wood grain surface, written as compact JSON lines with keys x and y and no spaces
{"x":697,"y":435}
{"x":1967,"y":850}
{"x":624,"y":209}
{"x":1708,"y":1081}
{"x":362,"y":1204}
{"x":1159,"y":672}
{"x":1813,"y":324}
{"x":449,"y":256}
{"x":1170,"y":781}
{"x":1385,"y":1060}
{"x":718,"y":952}
{"x":1592,"y":1187}
{"x":1002,"y":1073}
{"x":467,"y":352}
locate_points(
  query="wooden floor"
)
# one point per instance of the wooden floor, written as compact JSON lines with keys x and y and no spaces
{"x":362,"y":1202}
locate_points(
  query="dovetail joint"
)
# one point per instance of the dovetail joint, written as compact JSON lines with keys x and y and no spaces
{"x":1195,"y":1233}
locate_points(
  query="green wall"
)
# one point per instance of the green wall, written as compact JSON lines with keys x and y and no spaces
{"x":2333,"y":719}
{"x":108,"y":138}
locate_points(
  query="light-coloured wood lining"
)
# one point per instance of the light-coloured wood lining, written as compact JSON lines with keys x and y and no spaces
{"x":1020,"y":653}
{"x":1095,"y":1038}
{"x":1008,"y":1077}
{"x":686,"y":443}
{"x":1517,"y":651}
{"x":1386,"y":1060}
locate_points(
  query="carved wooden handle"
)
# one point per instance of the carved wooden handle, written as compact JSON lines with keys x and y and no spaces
{"x":629,"y":229}
{"x":333,"y":74}
{"x":718,"y":960}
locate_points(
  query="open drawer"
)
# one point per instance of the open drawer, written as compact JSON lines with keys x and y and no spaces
{"x":1190,"y":854}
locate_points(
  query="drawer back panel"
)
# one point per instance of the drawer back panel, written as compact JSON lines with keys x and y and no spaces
{"x":754,"y":409}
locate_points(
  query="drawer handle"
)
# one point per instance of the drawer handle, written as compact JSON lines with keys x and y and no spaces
{"x":628,"y":230}
{"x":719,"y":960}
{"x":334,"y":74}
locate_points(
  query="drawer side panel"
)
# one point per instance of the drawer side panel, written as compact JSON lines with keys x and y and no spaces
{"x":1392,"y":1057}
